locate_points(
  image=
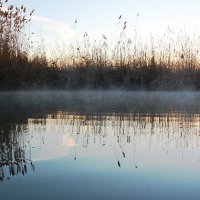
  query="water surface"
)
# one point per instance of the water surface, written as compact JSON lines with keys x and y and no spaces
{"x":99,"y":145}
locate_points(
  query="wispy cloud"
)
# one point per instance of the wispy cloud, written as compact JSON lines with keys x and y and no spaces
{"x":54,"y":27}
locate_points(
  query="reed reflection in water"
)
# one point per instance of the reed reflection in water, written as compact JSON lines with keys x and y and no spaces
{"x":15,"y":153}
{"x":139,"y":139}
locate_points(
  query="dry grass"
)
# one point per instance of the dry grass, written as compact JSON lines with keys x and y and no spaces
{"x":171,"y":63}
{"x":127,"y":63}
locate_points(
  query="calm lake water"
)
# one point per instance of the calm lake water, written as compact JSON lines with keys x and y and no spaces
{"x":99,"y":145}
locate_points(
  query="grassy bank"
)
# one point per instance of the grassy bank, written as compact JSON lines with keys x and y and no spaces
{"x":127,"y":63}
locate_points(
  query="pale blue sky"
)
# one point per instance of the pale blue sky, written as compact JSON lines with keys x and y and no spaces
{"x":100,"y":16}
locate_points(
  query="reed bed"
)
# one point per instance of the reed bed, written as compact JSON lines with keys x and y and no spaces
{"x":129,"y":63}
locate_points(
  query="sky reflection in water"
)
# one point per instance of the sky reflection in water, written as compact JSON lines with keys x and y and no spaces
{"x":128,"y":149}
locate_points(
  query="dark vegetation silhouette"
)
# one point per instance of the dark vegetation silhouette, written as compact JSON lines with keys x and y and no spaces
{"x":127,"y":63}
